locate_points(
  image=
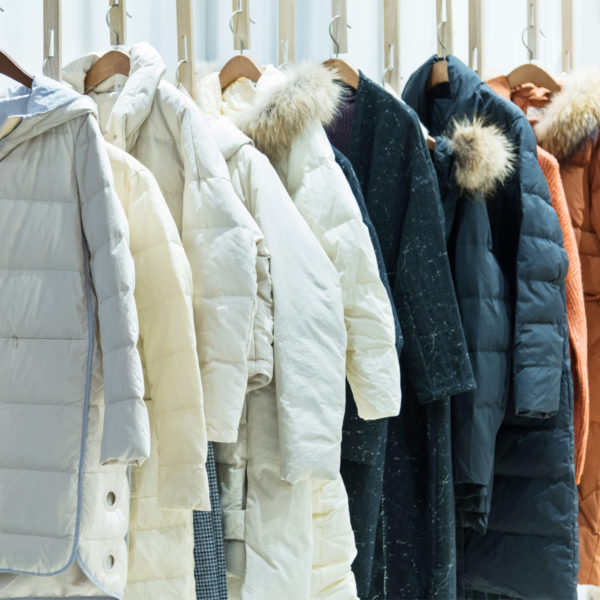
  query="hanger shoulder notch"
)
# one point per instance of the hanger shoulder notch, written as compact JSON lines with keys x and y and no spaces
{"x":344,"y":72}
{"x":114,"y":62}
{"x":240,"y":65}
{"x":10,"y":68}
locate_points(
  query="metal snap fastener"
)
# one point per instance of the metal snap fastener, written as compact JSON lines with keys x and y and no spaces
{"x":109,"y":562}
{"x":111,"y":498}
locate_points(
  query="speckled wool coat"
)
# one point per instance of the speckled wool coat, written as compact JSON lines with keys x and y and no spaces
{"x":529,"y":549}
{"x":414,"y":554}
{"x":72,"y":415}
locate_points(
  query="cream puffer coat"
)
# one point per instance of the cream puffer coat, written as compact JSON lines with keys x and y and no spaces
{"x":282,"y":114}
{"x":166,"y":488}
{"x":268,"y":523}
{"x":162,"y":127}
{"x":71,"y":384}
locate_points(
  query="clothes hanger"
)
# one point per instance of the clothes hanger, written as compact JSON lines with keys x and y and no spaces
{"x":439,"y":70}
{"x":240,"y":65}
{"x":530,"y":73}
{"x":344,"y":72}
{"x":114,"y":62}
{"x":10,"y":68}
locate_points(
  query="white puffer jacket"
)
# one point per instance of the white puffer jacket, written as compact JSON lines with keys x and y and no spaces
{"x":283,"y":114}
{"x":268,"y":524}
{"x":162,"y":127}
{"x":166,"y":488}
{"x":71,"y":385}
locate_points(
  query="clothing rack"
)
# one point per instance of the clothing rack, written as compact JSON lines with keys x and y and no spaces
{"x":286,"y":32}
{"x":475,"y":36}
{"x":445,"y":34}
{"x":52,"y":39}
{"x":186,"y":71}
{"x":339,"y":26}
{"x":391,"y":43}
{"x":567,"y":35}
{"x":117,"y":22}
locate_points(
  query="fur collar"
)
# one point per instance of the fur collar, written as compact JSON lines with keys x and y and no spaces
{"x":485,"y":157}
{"x":573,"y":115}
{"x":282,"y":112}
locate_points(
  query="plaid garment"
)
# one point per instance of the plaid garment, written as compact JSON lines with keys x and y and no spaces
{"x":209,"y":550}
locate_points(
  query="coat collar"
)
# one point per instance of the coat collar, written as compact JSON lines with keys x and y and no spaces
{"x":133,"y":103}
{"x":572,"y":116}
{"x":483,"y":155}
{"x":280,"y":106}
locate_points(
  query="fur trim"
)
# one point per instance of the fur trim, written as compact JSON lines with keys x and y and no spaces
{"x":484,"y":156}
{"x":573,"y":115}
{"x":308,"y":93}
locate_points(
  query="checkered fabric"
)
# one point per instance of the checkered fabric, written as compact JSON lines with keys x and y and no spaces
{"x":209,"y":551}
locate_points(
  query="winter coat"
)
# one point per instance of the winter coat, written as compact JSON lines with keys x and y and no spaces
{"x":73,"y":415}
{"x":533,"y":495}
{"x":525,"y":96}
{"x":285,"y":119}
{"x":162,"y":127}
{"x":268,"y":524}
{"x":569,"y":130}
{"x":415,"y":551}
{"x":472,"y":163}
{"x":173,"y":481}
{"x":363,"y":460}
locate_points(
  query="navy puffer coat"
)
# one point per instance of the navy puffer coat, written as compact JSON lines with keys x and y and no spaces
{"x":529,"y":549}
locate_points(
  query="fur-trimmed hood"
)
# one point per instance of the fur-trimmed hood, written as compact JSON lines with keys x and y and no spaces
{"x":485,"y":157}
{"x":281,"y":112}
{"x":573,"y":115}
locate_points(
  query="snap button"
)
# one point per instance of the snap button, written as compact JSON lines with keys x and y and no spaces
{"x":111,"y":498}
{"x":109,"y":562}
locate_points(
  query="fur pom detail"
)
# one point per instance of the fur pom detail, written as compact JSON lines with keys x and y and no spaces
{"x":573,"y":115}
{"x":485,"y":157}
{"x":309,"y":93}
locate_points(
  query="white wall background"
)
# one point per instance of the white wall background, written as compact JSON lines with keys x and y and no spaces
{"x":84,"y":30}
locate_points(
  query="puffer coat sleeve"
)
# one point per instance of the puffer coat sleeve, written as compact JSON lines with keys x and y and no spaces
{"x":372,"y":365}
{"x":221,"y":241}
{"x":126,"y":434}
{"x":163,"y":296}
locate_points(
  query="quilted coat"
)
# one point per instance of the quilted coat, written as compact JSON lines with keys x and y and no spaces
{"x":268,"y":521}
{"x":472,"y":162}
{"x":173,"y":481}
{"x":529,"y":97}
{"x":73,"y":415}
{"x":569,"y":130}
{"x":529,"y":549}
{"x":414,"y":553}
{"x":162,"y":127}
{"x":283,"y":115}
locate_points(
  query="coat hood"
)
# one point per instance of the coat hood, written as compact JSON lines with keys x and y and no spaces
{"x":26,"y":113}
{"x":134,"y":102}
{"x":572,"y":116}
{"x":284,"y":107}
{"x":485,"y":157}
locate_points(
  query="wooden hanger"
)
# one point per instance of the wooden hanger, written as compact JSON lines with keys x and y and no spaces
{"x":345,"y":73}
{"x":438,"y":74}
{"x":241,"y":65}
{"x":430,"y":142}
{"x":530,"y":73}
{"x":11,"y":69}
{"x":114,"y":62}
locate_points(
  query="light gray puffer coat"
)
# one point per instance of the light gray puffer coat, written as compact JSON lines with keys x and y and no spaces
{"x":72,"y":415}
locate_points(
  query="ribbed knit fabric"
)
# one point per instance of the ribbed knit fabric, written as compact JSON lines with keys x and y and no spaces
{"x":575,"y":309}
{"x":525,"y":96}
{"x":340,"y":132}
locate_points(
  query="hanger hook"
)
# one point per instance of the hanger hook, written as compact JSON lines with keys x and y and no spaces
{"x":439,"y":39}
{"x":529,"y":50}
{"x":335,"y":42}
{"x":110,"y":27}
{"x":234,"y":14}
